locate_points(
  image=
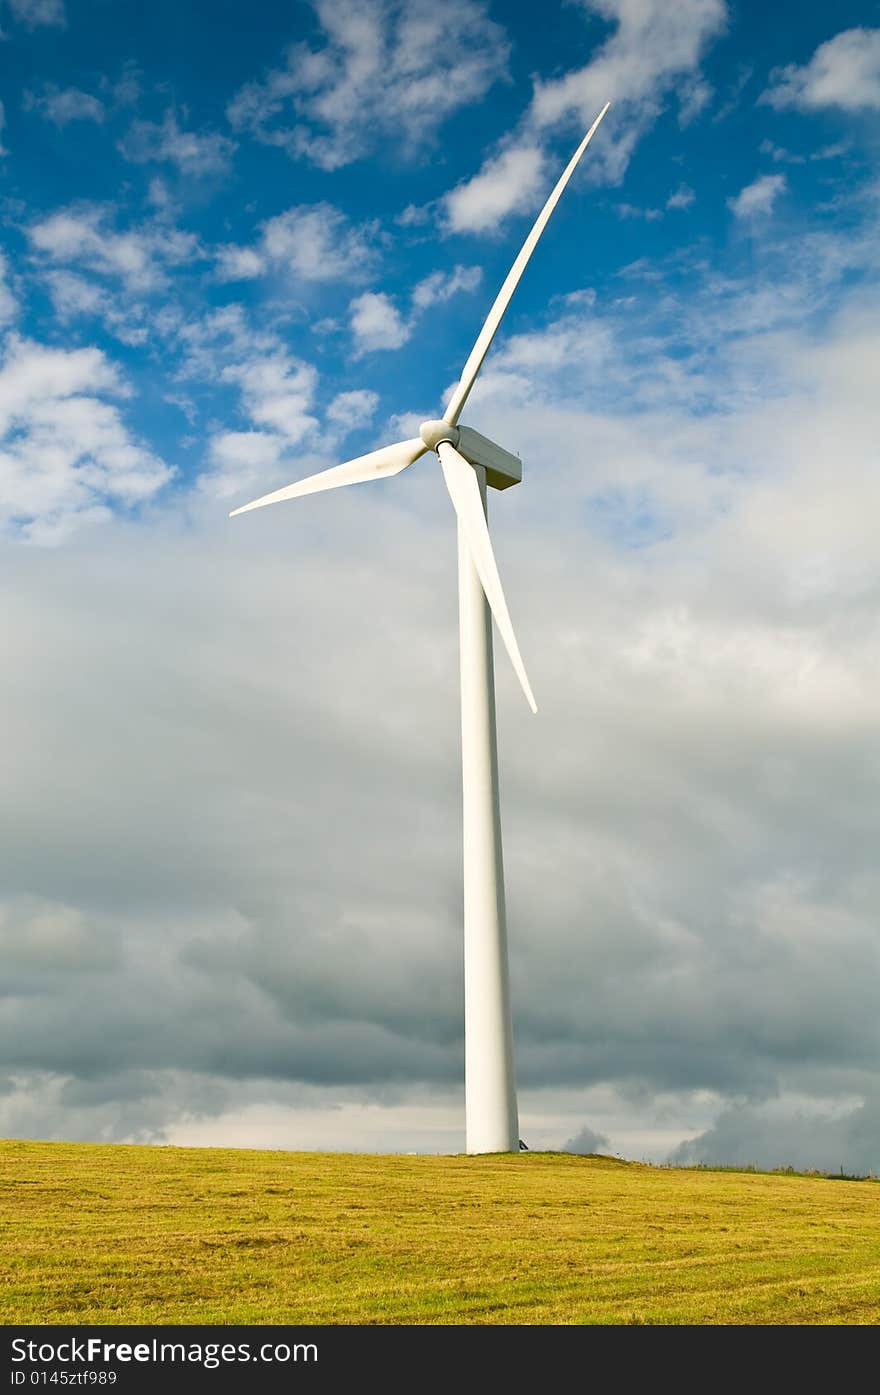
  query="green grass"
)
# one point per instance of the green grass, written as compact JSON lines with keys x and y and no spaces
{"x":101,"y":1234}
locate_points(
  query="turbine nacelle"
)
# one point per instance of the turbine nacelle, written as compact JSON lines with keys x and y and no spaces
{"x":502,"y":468}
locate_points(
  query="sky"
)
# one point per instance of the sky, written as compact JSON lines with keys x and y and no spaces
{"x":241,"y":243}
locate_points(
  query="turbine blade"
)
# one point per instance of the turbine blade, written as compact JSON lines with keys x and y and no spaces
{"x":464,"y":491}
{"x":502,"y":300}
{"x":390,"y":460}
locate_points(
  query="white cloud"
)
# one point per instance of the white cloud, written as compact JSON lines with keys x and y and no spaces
{"x":844,"y":72}
{"x":238,"y":263}
{"x":654,"y":48}
{"x":693,"y":98}
{"x":414,"y":216}
{"x":440,"y":286}
{"x":376,"y":322}
{"x":196,"y":154}
{"x":779,"y":155}
{"x":758,"y":197}
{"x":628,"y":210}
{"x":317,"y":243}
{"x":36,"y":13}
{"x":74,"y":296}
{"x":277,"y":392}
{"x":63,"y":105}
{"x":313,"y":242}
{"x":65,"y":453}
{"x":352,"y":410}
{"x":138,"y":257}
{"x":33,"y":373}
{"x":507,"y":183}
{"x":682,"y":198}
{"x":386,"y":68}
{"x":220,"y":339}
{"x":239,"y":459}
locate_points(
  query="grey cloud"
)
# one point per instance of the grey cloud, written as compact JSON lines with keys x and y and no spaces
{"x":586,"y":1140}
{"x":43,"y":936}
{"x":772,"y":1135}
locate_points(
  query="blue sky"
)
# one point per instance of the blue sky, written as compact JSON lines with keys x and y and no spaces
{"x":148,"y":165}
{"x":241,"y":243}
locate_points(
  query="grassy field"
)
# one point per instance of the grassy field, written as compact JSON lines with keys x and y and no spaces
{"x":95,"y":1234}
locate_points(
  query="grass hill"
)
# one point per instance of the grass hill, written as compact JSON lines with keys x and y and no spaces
{"x":127,"y":1234}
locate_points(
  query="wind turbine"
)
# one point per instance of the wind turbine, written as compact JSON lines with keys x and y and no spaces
{"x":470,"y":462}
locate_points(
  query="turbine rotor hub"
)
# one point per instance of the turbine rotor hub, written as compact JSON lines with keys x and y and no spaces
{"x":433,"y":432}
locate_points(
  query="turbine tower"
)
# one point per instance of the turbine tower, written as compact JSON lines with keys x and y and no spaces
{"x":470,"y":462}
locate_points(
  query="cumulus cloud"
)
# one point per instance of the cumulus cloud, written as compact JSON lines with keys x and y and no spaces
{"x":628,"y":210}
{"x":844,"y":72}
{"x":507,"y":183}
{"x":83,"y":235}
{"x":209,"y":343}
{"x":61,"y":105}
{"x":195,"y":154}
{"x":654,"y":49}
{"x":758,"y":197}
{"x":277,"y":392}
{"x":350,"y":409}
{"x":311,"y":242}
{"x":682,"y":198}
{"x":440,"y":286}
{"x":65,"y":452}
{"x":317,"y":243}
{"x":74,"y":296}
{"x":376,"y":322}
{"x":384,"y":68}
{"x":238,"y":263}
